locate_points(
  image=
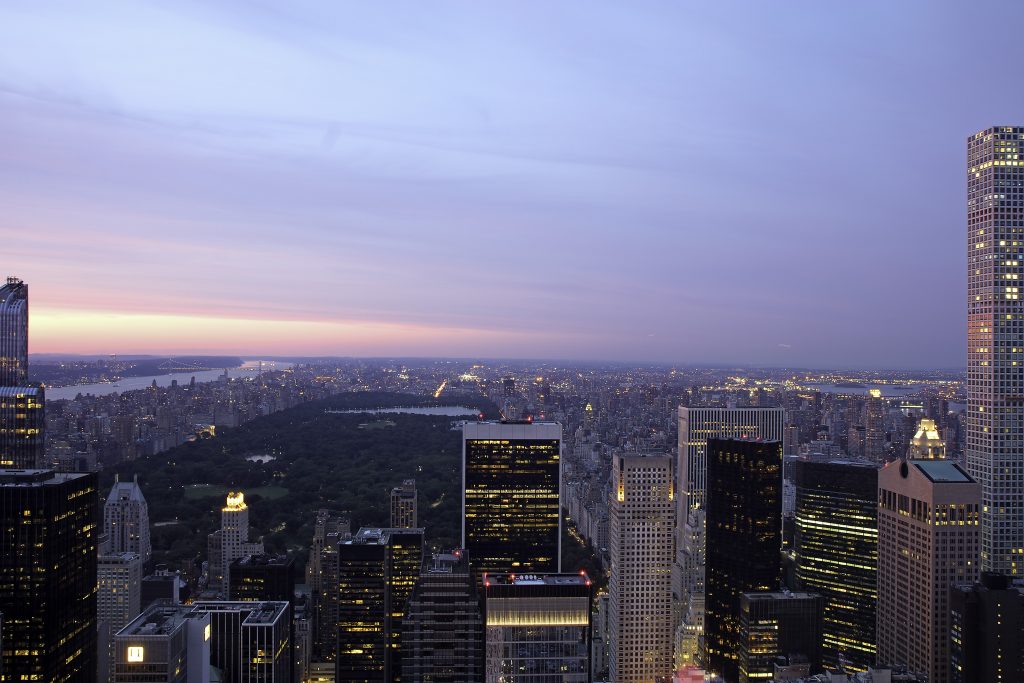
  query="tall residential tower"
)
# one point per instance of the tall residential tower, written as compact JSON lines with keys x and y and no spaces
{"x":641,"y":521}
{"x":995,"y":341}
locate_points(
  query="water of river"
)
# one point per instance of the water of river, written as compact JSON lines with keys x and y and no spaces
{"x":250,"y":368}
{"x":888,"y":390}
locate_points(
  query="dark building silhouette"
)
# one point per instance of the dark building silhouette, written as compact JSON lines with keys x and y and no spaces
{"x":165,"y":586}
{"x":778,"y":624}
{"x":22,"y":425}
{"x":48,"y":575}
{"x":744,"y":539}
{"x":377,"y":570}
{"x":987,"y":631}
{"x":511,"y":510}
{"x":836,"y":550}
{"x":443,"y":630}
{"x":263,"y":577}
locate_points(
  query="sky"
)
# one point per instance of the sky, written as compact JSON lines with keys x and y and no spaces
{"x":744,"y":183}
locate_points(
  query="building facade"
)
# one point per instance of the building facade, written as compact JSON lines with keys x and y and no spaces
{"x":994,"y":450}
{"x":13,"y":333}
{"x":263,"y":577}
{"x":696,"y":426}
{"x":987,"y":631}
{"x":164,"y":644}
{"x":330,"y":528}
{"x":250,"y":641}
{"x":443,"y":629}
{"x":642,"y":511}
{"x":928,"y":516}
{"x":126,"y":520}
{"x":118,"y":601}
{"x":230,"y":542}
{"x":511,"y":507}
{"x":377,"y":571}
{"x":744,"y":541}
{"x":776,"y":625}
{"x":48,"y":575}
{"x":538,"y":628}
{"x":403,"y":505}
{"x":22,"y":427}
{"x":836,"y":550}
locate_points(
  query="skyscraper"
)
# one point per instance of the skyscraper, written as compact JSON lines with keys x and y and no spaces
{"x":322,"y":576}
{"x":696,"y":426}
{"x":22,"y":419}
{"x":126,"y":520}
{"x":927,"y":543}
{"x":836,"y":549}
{"x":511,"y":509}
{"x":642,"y":508}
{"x":230,"y":542}
{"x":537,"y":628}
{"x":874,"y":428}
{"x":377,"y":570}
{"x":13,"y":333}
{"x":22,"y":424}
{"x":48,"y":575}
{"x":250,"y":641}
{"x":403,"y":505}
{"x":744,"y":540}
{"x":987,"y":631}
{"x":778,"y":624}
{"x":263,"y":577}
{"x":443,"y":629}
{"x":118,"y":601}
{"x":994,"y":450}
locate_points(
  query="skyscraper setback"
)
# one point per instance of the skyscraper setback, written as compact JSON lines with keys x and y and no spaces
{"x":995,"y":341}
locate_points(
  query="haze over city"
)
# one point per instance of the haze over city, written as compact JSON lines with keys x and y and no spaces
{"x":744,"y":183}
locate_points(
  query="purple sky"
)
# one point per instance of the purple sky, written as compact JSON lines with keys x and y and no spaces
{"x":763,"y":183}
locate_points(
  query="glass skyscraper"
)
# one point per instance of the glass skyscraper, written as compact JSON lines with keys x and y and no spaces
{"x":48,"y":575}
{"x":995,"y":341}
{"x":13,"y":333}
{"x":21,"y":406}
{"x":511,"y":508}
{"x":836,"y":547}
{"x":744,"y":540}
{"x":377,"y":571}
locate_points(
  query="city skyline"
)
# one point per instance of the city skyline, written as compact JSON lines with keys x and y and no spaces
{"x":587,"y":182}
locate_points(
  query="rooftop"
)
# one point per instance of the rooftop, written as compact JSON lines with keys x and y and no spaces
{"x":34,"y":477}
{"x":580,"y":579}
{"x":159,"y":620}
{"x":943,"y":471}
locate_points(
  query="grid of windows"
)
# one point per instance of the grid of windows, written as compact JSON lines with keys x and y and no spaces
{"x":995,"y":340}
{"x":640,"y":533}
